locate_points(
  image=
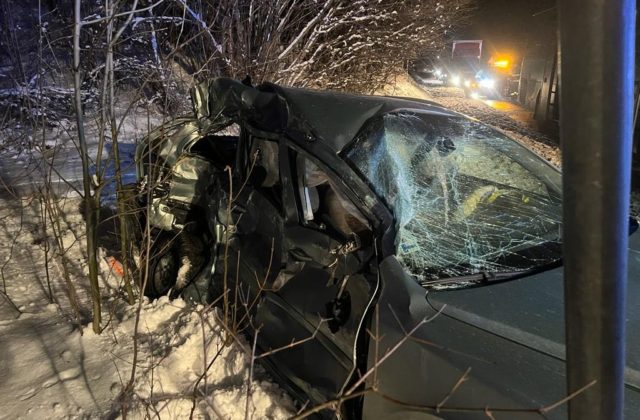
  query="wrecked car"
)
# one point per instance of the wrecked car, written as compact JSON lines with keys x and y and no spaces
{"x":389,"y":255}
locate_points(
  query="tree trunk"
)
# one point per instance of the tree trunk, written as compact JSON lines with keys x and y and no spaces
{"x":90,"y":202}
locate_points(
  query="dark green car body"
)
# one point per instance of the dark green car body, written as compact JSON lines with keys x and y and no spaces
{"x":248,"y":173}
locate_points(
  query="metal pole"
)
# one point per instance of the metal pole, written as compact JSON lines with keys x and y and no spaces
{"x":597,"y":71}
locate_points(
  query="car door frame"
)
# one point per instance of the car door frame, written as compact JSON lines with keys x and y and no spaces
{"x":294,"y":220}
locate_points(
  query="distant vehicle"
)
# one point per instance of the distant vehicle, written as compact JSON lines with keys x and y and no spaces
{"x":343,"y":223}
{"x":478,"y":79}
{"x":465,"y":63}
{"x":429,"y":72}
{"x":482,"y":84}
{"x":470,"y":50}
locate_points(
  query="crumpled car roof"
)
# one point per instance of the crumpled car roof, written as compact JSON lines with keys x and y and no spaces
{"x":334,"y":118}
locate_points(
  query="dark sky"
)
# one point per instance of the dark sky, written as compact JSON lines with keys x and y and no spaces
{"x":508,"y":26}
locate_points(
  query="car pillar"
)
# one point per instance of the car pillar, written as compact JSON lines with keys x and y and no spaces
{"x":597,"y":73}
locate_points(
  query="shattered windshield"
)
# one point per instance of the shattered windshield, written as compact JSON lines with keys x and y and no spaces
{"x":466,"y":198}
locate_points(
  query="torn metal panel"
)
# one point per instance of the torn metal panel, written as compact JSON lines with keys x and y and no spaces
{"x":223,"y":101}
{"x":184,"y":188}
{"x":190,"y":177}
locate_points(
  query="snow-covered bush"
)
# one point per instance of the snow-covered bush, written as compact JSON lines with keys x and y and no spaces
{"x":339,"y":44}
{"x":168,"y":45}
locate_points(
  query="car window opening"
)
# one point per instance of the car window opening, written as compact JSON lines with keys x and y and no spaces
{"x":263,"y":165}
{"x":263,"y":169}
{"x":323,"y":204}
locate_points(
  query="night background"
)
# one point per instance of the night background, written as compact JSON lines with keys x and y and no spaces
{"x":511,"y":26}
{"x":276,"y":209}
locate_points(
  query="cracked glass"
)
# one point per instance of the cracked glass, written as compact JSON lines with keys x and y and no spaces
{"x":466,"y":199}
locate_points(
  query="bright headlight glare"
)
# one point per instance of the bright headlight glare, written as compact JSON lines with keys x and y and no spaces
{"x":455,"y":79}
{"x":467,"y":83}
{"x":488,"y":83}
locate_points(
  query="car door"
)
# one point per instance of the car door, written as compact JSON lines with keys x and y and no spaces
{"x":309,"y":284}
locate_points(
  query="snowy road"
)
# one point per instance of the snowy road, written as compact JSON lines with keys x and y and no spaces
{"x":513,"y":111}
{"x":501,"y":113}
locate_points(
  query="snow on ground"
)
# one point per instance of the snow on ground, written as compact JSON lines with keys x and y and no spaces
{"x":54,"y":366}
{"x":402,"y":84}
{"x":26,"y":154}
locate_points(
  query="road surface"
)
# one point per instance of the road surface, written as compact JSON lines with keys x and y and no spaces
{"x":513,"y":111}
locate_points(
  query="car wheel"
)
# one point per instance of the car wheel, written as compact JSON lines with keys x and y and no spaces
{"x":163,"y":266}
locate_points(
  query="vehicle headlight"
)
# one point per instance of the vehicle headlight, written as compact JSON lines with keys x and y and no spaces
{"x":438,"y":72}
{"x":455,"y":80}
{"x":488,"y":83}
{"x":467,"y":83}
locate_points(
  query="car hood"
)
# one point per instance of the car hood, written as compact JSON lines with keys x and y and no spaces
{"x":530,"y":311}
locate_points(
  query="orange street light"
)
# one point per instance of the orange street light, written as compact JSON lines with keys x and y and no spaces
{"x":502,"y":64}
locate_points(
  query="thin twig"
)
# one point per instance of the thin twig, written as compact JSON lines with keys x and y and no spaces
{"x":460,"y":381}
{"x":555,"y":405}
